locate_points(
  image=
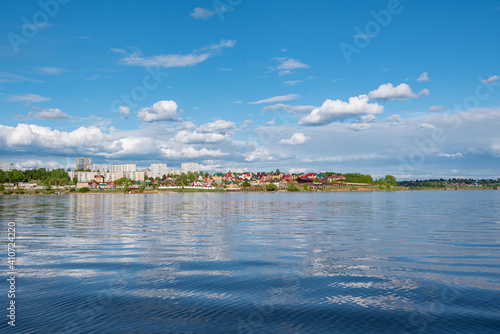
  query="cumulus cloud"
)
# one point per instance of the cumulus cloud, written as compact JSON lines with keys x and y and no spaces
{"x":191,"y":152}
{"x":436,"y":109}
{"x":296,"y":139}
{"x":260,"y":154}
{"x":177,"y":60}
{"x":395,"y":119}
{"x":125,"y":111}
{"x":287,"y":65}
{"x":160,"y":111}
{"x":289,"y":108}
{"x":54,"y":114}
{"x":219,"y":126}
{"x":27,"y":98}
{"x":423,"y":77}
{"x":187,"y":137}
{"x":401,"y":92}
{"x":280,"y":98}
{"x":337,"y":110}
{"x":491,"y":79}
{"x":35,"y":163}
{"x":363,"y":122}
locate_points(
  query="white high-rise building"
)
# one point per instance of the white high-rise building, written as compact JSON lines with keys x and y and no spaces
{"x":6,"y":166}
{"x":158,"y":170}
{"x":190,"y":167}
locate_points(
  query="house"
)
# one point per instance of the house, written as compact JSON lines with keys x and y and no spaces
{"x":246,"y":176}
{"x":334,"y":178}
{"x":111,"y":185}
{"x":232,"y":185}
{"x":287,"y":178}
{"x":82,"y":185}
{"x":94,"y":185}
{"x":218,"y":177}
{"x":99,"y":178}
{"x":277,"y":175}
{"x":229,"y":176}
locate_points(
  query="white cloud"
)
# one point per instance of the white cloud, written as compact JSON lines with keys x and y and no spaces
{"x":260,"y":154}
{"x":178,"y":60}
{"x":289,"y":108}
{"x":270,"y":123}
{"x":423,"y":77}
{"x":426,"y":126}
{"x":491,"y":79}
{"x":401,"y":92}
{"x":125,"y":111}
{"x":246,"y":123}
{"x":191,"y":152}
{"x":395,"y":119}
{"x":452,"y":155}
{"x":187,"y":137}
{"x":30,"y":164}
{"x":219,"y":126}
{"x":436,"y":109}
{"x":280,"y":98}
{"x":343,"y":158}
{"x":54,"y":114}
{"x":202,"y":13}
{"x":295,"y":82}
{"x":337,"y":110}
{"x":160,"y":111}
{"x":363,"y":122}
{"x":28,"y":98}
{"x":296,"y":139}
{"x":287,"y":65}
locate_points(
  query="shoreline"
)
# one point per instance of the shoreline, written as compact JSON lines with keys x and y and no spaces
{"x":183,"y":191}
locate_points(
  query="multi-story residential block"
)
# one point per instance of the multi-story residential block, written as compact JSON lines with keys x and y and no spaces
{"x":187,"y":167}
{"x":158,"y":170}
{"x":6,"y":166}
{"x":83,"y":162}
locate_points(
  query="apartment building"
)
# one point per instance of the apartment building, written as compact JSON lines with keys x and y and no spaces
{"x":6,"y":166}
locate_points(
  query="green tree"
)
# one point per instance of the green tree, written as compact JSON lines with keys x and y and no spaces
{"x":391,"y":180}
{"x":245,"y":184}
{"x":271,"y":187}
{"x":84,"y":190}
{"x":293,"y":187}
{"x":306,"y":187}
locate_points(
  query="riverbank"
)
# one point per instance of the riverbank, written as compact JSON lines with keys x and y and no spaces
{"x":191,"y":190}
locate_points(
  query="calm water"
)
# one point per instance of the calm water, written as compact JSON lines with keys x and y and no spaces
{"x":405,"y":262}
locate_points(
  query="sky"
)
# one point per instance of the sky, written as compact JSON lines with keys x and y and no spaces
{"x":408,"y":88}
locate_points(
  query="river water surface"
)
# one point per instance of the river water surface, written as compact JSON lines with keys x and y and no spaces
{"x":382,"y":262}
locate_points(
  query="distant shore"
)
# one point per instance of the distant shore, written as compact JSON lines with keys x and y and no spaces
{"x":191,"y":190}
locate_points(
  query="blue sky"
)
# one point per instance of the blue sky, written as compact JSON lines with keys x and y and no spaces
{"x":409,"y":88}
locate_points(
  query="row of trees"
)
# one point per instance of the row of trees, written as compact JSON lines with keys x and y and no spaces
{"x":41,"y":175}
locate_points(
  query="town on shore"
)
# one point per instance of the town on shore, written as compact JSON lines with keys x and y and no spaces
{"x":158,"y":177}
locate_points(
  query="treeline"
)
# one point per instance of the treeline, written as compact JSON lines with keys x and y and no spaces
{"x":52,"y":177}
{"x":444,"y":183}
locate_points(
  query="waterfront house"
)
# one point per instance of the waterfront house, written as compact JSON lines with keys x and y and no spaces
{"x":232,"y":185}
{"x":218,"y":177}
{"x":99,"y":178}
